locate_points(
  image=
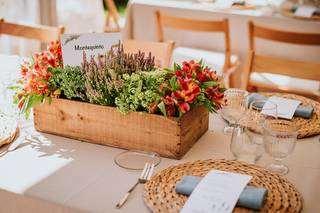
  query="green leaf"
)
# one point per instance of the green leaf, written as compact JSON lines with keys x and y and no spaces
{"x":208,"y":105}
{"x":162,"y":108}
{"x":176,"y":67}
{"x":16,"y":87}
{"x":168,"y":70}
{"x":31,"y":101}
{"x":194,"y":75}
{"x":49,"y":100}
{"x":15,"y":100}
{"x":173,"y":83}
{"x":222,"y":89}
{"x":210,"y":84}
{"x":201,"y":62}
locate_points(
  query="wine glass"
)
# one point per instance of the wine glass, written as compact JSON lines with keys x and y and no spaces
{"x":247,"y":141}
{"x":233,"y":107}
{"x":246,"y":144}
{"x":259,"y":111}
{"x":279,"y":138}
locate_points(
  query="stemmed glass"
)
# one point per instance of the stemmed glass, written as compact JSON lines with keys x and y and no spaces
{"x":279,"y":138}
{"x":233,"y":107}
{"x":258,"y":113}
{"x":246,"y":144}
{"x":246,"y":140}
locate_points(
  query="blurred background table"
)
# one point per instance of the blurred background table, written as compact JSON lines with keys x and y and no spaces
{"x":140,"y":24}
{"x":65,"y":175}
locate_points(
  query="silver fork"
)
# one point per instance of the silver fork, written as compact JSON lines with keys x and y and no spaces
{"x":144,"y":177}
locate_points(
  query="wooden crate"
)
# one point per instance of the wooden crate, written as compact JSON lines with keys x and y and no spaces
{"x":170,"y":137}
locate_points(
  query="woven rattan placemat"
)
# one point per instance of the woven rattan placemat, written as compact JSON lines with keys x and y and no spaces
{"x":8,"y":130}
{"x":160,"y":196}
{"x":306,"y":127}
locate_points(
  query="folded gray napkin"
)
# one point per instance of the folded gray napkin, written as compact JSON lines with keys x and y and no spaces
{"x":295,"y":7}
{"x":251,"y":197}
{"x":301,"y":111}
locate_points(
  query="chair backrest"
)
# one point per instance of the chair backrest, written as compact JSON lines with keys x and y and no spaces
{"x":161,"y":51}
{"x":195,"y":25}
{"x":113,"y":14}
{"x":267,"y":64}
{"x":41,"y":33}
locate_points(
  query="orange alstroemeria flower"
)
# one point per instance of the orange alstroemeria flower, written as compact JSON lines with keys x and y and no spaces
{"x":188,"y":91}
{"x":184,"y":107}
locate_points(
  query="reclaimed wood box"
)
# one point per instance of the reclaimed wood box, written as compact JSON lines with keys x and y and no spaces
{"x":170,"y":137}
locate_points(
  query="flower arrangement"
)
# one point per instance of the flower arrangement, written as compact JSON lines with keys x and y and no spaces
{"x":191,"y":85}
{"x":33,"y":87}
{"x":130,"y":82}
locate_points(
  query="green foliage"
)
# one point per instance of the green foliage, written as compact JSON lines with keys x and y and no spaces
{"x":139,"y":91}
{"x":70,"y":81}
{"x":210,"y":84}
{"x":162,"y":108}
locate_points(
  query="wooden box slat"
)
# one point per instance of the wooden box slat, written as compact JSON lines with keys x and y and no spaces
{"x":170,"y":137}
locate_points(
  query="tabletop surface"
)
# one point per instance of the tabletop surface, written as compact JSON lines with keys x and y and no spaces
{"x":83,"y":176}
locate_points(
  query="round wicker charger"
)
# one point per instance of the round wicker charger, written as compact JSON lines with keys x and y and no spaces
{"x":290,"y":14}
{"x":160,"y":196}
{"x":306,"y":127}
{"x":8,"y":130}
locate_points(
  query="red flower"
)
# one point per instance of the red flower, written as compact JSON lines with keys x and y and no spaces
{"x":35,"y":76}
{"x":169,"y":105}
{"x":184,"y":107}
{"x":188,"y":91}
{"x":188,"y":85}
{"x":153,"y":107}
{"x":214,"y":95}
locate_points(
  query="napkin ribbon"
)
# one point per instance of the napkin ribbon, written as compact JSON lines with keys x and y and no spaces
{"x":251,"y":197}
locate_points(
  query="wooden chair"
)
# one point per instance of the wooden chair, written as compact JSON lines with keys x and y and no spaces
{"x":161,"y":51}
{"x":265,"y":64}
{"x":112,"y":15}
{"x":227,"y":62}
{"x":44,"y":34}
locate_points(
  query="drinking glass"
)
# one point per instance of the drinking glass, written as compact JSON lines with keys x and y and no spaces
{"x":233,"y":107}
{"x":279,"y":138}
{"x":255,"y":117}
{"x":246,"y":144}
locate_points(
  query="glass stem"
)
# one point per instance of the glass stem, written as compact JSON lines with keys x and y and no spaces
{"x":278,"y":161}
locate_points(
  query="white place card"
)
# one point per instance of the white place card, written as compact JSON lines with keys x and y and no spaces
{"x":305,"y":11}
{"x":285,"y":107}
{"x":93,"y":44}
{"x":217,"y":192}
{"x":224,"y":4}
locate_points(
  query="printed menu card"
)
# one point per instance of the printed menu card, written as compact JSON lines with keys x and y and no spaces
{"x":93,"y":44}
{"x":217,"y":192}
{"x":285,"y":107}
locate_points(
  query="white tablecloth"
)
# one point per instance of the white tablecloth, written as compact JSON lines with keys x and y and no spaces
{"x":140,"y":24}
{"x":59,"y":173}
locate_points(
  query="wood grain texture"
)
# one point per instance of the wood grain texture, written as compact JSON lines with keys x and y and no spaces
{"x":281,"y":66}
{"x":170,"y":137}
{"x":293,"y":68}
{"x":285,"y":36}
{"x":37,"y":32}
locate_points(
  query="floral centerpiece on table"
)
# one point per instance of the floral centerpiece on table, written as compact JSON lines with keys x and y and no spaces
{"x":130,"y":82}
{"x":33,"y":86}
